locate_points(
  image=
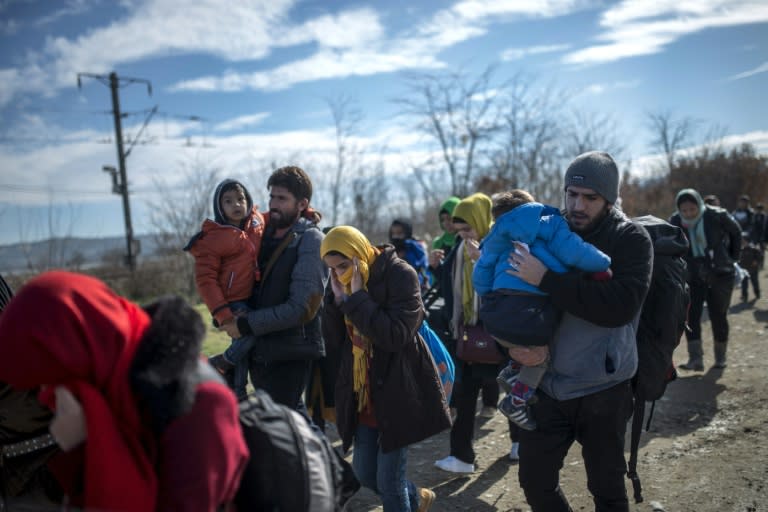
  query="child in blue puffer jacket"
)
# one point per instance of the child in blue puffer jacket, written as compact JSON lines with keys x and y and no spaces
{"x":515,"y":312}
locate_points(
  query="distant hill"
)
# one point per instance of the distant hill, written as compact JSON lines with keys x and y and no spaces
{"x":87,"y":252}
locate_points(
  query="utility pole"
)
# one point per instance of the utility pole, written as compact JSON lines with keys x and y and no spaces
{"x":121,"y":187}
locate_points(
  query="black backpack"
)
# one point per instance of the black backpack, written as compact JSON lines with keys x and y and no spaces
{"x":662,"y":322}
{"x":293,"y":466}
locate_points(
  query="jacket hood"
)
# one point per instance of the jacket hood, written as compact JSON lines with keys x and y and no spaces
{"x":448,"y":206}
{"x":524,"y":220}
{"x":218,"y":214}
{"x":407,"y":228}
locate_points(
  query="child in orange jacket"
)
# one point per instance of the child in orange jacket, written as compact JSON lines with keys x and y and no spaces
{"x":226,"y":252}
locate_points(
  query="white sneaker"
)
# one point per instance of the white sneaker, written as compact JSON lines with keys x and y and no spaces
{"x":513,"y":453}
{"x":454,"y":465}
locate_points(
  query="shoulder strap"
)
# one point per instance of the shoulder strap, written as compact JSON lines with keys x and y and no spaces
{"x":278,"y":251}
{"x":637,"y":429}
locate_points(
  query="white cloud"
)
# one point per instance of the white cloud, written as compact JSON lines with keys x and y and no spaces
{"x":601,"y":88}
{"x":762,"y":68}
{"x":375,"y":53}
{"x":71,"y":8}
{"x":639,"y":27}
{"x":241,"y":122}
{"x":519,"y":53}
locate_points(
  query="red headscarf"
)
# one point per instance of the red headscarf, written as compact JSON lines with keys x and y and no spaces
{"x":72,"y":330}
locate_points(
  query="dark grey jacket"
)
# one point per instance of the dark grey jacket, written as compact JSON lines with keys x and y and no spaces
{"x":286,"y":318}
{"x":723,"y":236}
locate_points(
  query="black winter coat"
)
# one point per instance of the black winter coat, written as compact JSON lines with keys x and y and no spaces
{"x":408,"y":399}
{"x":723,"y":236}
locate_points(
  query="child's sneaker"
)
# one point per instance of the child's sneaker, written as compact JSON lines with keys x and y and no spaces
{"x":508,"y":376}
{"x":515,"y":405}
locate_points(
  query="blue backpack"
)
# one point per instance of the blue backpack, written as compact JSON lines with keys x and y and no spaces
{"x":443,"y":360}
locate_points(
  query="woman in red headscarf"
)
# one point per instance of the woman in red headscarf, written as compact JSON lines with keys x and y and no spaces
{"x":160,"y":430}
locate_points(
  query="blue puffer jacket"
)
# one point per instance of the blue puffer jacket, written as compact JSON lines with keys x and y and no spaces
{"x":549,"y":239}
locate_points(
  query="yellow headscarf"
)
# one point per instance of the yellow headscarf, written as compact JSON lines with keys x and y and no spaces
{"x":353,"y":244}
{"x":475,"y":210}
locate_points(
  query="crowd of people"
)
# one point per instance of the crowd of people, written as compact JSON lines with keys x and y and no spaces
{"x":112,"y":407}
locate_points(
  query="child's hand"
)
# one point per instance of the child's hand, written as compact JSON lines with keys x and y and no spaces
{"x":68,"y":427}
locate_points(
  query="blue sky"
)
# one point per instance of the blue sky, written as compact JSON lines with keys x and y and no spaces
{"x":240,"y":83}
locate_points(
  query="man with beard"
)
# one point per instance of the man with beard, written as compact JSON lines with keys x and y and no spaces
{"x":585,"y":395}
{"x":286,"y":305}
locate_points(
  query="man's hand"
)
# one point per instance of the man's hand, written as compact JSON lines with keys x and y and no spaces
{"x":230,"y":327}
{"x":526,"y":266}
{"x":529,"y":356}
{"x":68,"y":426}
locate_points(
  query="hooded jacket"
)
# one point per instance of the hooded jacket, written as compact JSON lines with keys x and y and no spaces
{"x":446,"y":240}
{"x":226,"y":257}
{"x":408,"y":399}
{"x":595,"y":345}
{"x":548,"y":237}
{"x":158,"y":438}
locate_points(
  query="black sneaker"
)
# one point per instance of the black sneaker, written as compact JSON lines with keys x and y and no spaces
{"x":221,"y":365}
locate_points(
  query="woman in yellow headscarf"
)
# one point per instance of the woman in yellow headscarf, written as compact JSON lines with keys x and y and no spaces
{"x":388,"y":394}
{"x":472,"y":219}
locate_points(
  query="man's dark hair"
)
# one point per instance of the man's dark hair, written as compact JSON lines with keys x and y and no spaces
{"x":504,"y":202}
{"x":293,"y":179}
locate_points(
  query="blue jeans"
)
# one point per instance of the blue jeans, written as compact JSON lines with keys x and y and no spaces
{"x":383,"y":473}
{"x":237,"y":354}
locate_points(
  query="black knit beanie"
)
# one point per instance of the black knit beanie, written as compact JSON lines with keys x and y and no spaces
{"x":595,"y":170}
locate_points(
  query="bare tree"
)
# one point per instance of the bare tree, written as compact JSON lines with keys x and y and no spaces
{"x":529,"y":152}
{"x":346,"y":119}
{"x":670,"y":134}
{"x":56,"y":235}
{"x":593,"y":131}
{"x":177,"y":212}
{"x":459,"y":113}
{"x":369,"y":195}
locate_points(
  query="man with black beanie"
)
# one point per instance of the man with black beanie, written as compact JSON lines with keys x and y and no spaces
{"x":585,"y":394}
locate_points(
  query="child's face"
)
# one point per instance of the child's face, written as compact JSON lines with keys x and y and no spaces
{"x":234,"y":205}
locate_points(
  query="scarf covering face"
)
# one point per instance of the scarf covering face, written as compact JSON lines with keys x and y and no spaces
{"x":353,"y":244}
{"x":476,"y":211}
{"x":72,"y":330}
{"x":695,"y":226}
{"x":446,"y":240}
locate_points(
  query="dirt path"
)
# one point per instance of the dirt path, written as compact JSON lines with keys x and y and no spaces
{"x":707,"y":449}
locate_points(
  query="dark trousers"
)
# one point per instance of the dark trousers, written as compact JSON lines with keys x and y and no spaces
{"x":755,"y":284}
{"x":285,"y":381}
{"x":598,"y":422}
{"x":465,"y":395}
{"x":718,"y":296}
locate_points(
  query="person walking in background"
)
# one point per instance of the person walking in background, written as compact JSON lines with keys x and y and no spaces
{"x":585,"y":394}
{"x":514,"y":312}
{"x":286,"y":323}
{"x":388,"y":394}
{"x":715,"y":239}
{"x":759,"y":233}
{"x":749,"y":260}
{"x":410,"y":249}
{"x":472,"y":219}
{"x":146,"y":425}
{"x":226,"y":252}
{"x":744,"y":214}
